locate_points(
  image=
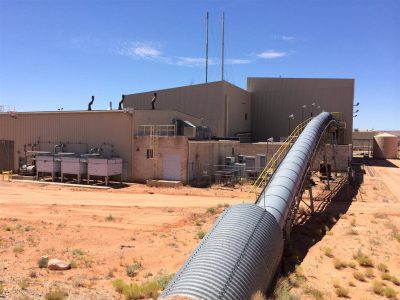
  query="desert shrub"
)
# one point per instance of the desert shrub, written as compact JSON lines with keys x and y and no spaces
{"x":328,"y":251}
{"x":56,"y":294}
{"x":23,"y":284}
{"x":118,"y":285}
{"x":382,"y":267}
{"x":79,"y":281}
{"x":377,"y":287}
{"x":110,"y":218}
{"x":386,"y":276}
{"x":6,"y":227}
{"x":43,"y":261}
{"x":369,"y":272}
{"x":342,"y":292}
{"x":18,"y":249}
{"x":132,"y":269}
{"x":395,"y":280}
{"x":150,"y":289}
{"x":200,"y":234}
{"x":211,"y":210}
{"x":73,"y":264}
{"x":282,"y":291}
{"x":339,"y":264}
{"x":29,"y":228}
{"x":78,"y":252}
{"x":132,"y":291}
{"x":389,"y":292}
{"x":163,"y":279}
{"x":396,"y":235}
{"x":1,"y":289}
{"x":32,"y":274}
{"x":317,"y":294}
{"x":359,"y":276}
{"x":197,"y":222}
{"x":30,"y":239}
{"x":353,"y":222}
{"x":351,"y":283}
{"x":351,"y":264}
{"x":363,"y":259}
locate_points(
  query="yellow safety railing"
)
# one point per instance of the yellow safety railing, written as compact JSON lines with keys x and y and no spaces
{"x":275,"y":160}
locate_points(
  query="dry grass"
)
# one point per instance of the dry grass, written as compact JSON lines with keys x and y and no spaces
{"x":328,"y":251}
{"x":339,"y":264}
{"x":351,"y":264}
{"x":200,"y":234}
{"x":317,"y":294}
{"x":382,"y":267}
{"x":363,"y":260}
{"x":342,"y":292}
{"x":389,"y":293}
{"x":369,"y":272}
{"x":386,"y":276}
{"x":56,"y":294}
{"x":148,"y":289}
{"x":359,"y":276}
{"x":377,"y":287}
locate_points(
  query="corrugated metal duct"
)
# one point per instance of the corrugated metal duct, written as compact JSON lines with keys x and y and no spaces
{"x":238,"y":256}
{"x":284,"y":185}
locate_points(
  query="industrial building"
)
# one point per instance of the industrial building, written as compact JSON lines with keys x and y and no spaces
{"x":182,"y":133}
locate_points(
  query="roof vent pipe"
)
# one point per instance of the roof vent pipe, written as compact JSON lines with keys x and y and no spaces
{"x":110,"y":106}
{"x":153,"y":101}
{"x":121,"y":102}
{"x":90,"y":104}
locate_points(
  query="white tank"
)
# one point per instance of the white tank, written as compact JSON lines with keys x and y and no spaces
{"x":385,"y":145}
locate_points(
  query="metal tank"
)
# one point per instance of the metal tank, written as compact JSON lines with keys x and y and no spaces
{"x":385,"y":146}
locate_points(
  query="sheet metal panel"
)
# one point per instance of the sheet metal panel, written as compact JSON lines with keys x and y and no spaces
{"x":80,"y":131}
{"x":274,"y":99}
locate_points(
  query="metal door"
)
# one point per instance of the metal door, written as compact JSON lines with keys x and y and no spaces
{"x":6,"y":155}
{"x":171,"y":167}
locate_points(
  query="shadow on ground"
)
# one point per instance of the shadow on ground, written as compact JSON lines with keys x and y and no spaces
{"x":329,"y":208}
{"x":379,"y":163}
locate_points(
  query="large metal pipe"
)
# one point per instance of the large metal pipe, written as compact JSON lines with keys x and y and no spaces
{"x":278,"y":196}
{"x":241,"y":253}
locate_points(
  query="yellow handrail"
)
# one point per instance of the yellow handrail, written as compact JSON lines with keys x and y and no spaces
{"x":269,"y":169}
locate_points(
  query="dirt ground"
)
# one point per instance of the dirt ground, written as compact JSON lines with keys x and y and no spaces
{"x":103,"y":231}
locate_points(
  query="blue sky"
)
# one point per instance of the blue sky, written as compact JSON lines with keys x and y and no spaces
{"x":58,"y":53}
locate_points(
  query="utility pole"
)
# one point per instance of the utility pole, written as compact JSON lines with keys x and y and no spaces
{"x":223,"y":44}
{"x":207,"y":49}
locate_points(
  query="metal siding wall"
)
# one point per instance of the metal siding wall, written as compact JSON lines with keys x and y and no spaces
{"x":202,"y":101}
{"x":273,"y":99}
{"x":162,"y":117}
{"x":239,"y":103}
{"x":93,"y":128}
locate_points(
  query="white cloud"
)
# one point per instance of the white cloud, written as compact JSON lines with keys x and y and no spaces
{"x":287,"y":38}
{"x":193,"y":61}
{"x":272,"y":54}
{"x":237,"y":61}
{"x":146,"y":51}
{"x":140,"y":50}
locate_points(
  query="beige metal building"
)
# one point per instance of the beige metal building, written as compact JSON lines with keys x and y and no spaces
{"x":263,"y":110}
{"x":225,"y":108}
{"x":274,"y":99}
{"x":80,"y":131}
